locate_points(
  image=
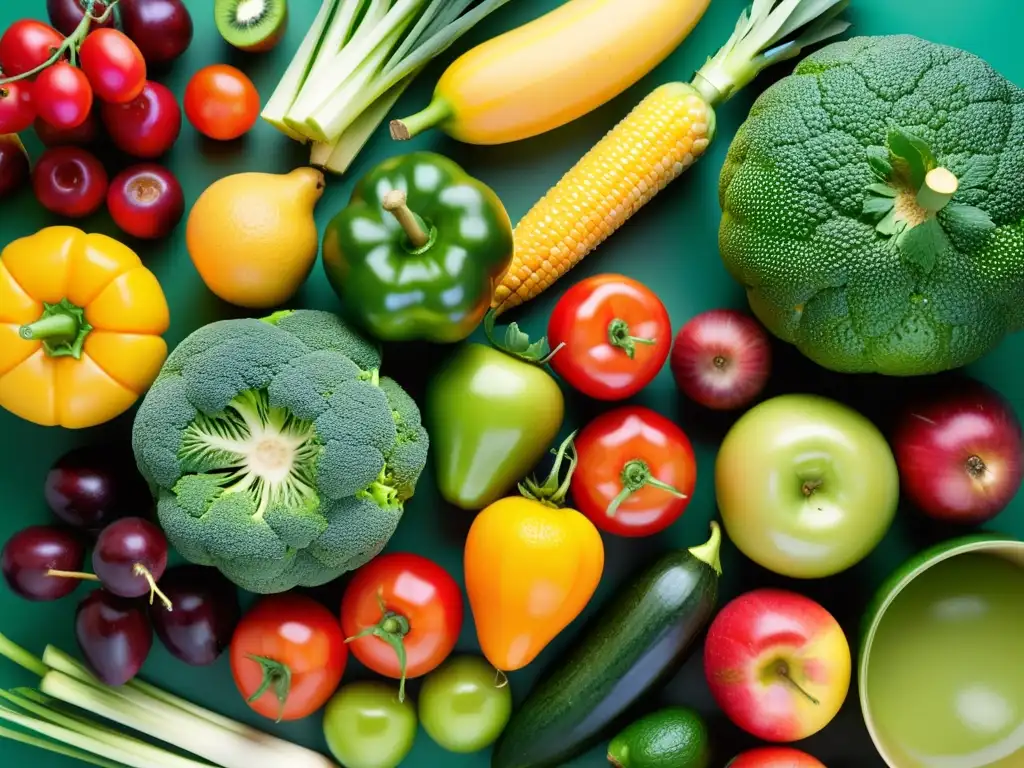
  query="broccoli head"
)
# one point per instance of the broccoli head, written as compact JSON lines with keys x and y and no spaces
{"x":278,"y":453}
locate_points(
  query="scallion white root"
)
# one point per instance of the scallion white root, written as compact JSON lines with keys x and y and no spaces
{"x":354,"y":64}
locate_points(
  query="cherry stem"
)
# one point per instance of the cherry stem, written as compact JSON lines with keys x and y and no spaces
{"x":70,"y":44}
{"x":277,"y":676}
{"x":73,"y":575}
{"x":154,"y":590}
{"x":636,"y":475}
{"x":392,"y":629}
{"x":783,"y":671}
{"x":618,"y":336}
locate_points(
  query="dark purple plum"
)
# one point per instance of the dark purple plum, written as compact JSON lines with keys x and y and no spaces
{"x":206,"y":612}
{"x":31,"y":553}
{"x":91,"y":486}
{"x":162,"y":29}
{"x":65,"y":15}
{"x":114,"y":634}
{"x":130,"y":556}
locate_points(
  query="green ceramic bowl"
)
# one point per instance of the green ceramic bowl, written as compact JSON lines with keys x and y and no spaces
{"x":941,"y":667}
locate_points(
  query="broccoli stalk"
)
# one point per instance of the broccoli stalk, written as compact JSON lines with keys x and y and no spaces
{"x":263,"y":451}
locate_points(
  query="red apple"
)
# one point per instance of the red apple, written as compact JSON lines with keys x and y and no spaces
{"x":774,"y":757}
{"x":778,"y":664}
{"x":960,"y":454}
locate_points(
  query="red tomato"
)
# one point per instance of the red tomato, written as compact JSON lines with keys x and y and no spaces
{"x":27,"y":44}
{"x":402,"y":604}
{"x":616,"y":333}
{"x":63,"y":96}
{"x":221,"y":102}
{"x":636,"y":472}
{"x":288,"y":656}
{"x":16,"y":109}
{"x":113,"y":64}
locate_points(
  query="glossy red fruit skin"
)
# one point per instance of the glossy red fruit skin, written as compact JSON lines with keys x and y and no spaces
{"x":14,"y":166}
{"x":221,"y":102}
{"x":69,"y":181}
{"x":721,"y":359}
{"x":147,"y":126}
{"x":84,"y":135}
{"x":66,"y":15}
{"x":90,"y":487}
{"x":17,"y":110}
{"x":206,"y":612}
{"x":31,"y":552}
{"x":774,"y":757}
{"x":113,"y":64}
{"x":960,"y":454}
{"x":146,"y":201}
{"x":161,"y":28}
{"x":114,"y":635}
{"x":123,"y":545}
{"x":62,"y":96}
{"x":26,"y":45}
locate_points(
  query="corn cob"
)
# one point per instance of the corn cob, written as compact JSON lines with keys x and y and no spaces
{"x":662,"y":137}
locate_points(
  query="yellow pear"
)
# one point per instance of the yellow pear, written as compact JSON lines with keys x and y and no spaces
{"x":253,"y":238}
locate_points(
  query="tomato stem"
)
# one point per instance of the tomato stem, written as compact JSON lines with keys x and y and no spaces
{"x":618,"y":336}
{"x":391,"y":629}
{"x":70,"y":44}
{"x":275,"y":675}
{"x":636,"y":475}
{"x":154,"y":590}
{"x":551,"y":492}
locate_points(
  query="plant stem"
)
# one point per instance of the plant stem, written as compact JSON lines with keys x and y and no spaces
{"x":435,"y":113}
{"x":391,"y":629}
{"x":618,"y":336}
{"x":56,"y":328}
{"x":70,"y":44}
{"x":395,"y":203}
{"x":154,"y":590}
{"x":709,"y":551}
{"x":782,"y":670}
{"x":939,"y":187}
{"x":636,"y":475}
{"x":72,"y":575}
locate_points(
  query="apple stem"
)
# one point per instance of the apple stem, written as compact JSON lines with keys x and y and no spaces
{"x":636,"y":475}
{"x":976,"y":466}
{"x":810,"y":486}
{"x":783,"y":671}
{"x":720,"y":362}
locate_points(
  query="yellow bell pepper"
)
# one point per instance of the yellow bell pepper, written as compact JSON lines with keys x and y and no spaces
{"x":81,"y":321}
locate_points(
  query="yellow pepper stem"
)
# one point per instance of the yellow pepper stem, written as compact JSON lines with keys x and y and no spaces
{"x":61,"y":329}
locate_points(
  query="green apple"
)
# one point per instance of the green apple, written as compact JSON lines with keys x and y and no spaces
{"x":807,"y":487}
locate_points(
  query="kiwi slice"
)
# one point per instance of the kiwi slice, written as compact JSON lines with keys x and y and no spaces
{"x":251,"y":25}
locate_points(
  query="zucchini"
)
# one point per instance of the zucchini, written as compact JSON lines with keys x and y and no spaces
{"x":631,"y":647}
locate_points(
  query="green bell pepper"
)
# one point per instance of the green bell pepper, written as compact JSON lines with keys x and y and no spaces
{"x":419,"y":250}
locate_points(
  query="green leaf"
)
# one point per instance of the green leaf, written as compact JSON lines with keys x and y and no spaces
{"x":878,"y":159}
{"x":876,"y":207}
{"x":980,"y":171}
{"x":924,"y":244}
{"x":890,"y":225}
{"x":516,"y":342}
{"x":967,"y":225}
{"x":914,"y":152}
{"x":881,"y":189}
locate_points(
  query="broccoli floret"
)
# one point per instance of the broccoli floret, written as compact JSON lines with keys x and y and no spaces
{"x":408,"y":455}
{"x":277,"y":464}
{"x":325,"y":331}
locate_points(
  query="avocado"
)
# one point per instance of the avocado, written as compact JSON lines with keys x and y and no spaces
{"x":674,"y":737}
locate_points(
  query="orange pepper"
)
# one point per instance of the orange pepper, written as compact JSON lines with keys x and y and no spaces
{"x":80,"y":327}
{"x":531,"y":567}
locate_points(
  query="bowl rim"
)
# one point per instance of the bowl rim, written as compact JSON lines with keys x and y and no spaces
{"x":893,"y":587}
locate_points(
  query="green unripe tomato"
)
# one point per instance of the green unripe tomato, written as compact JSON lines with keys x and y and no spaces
{"x":366,"y":726}
{"x":465,"y":704}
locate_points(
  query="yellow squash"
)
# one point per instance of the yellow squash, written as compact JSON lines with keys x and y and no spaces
{"x":553,"y":70}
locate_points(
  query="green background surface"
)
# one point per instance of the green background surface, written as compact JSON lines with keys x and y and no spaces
{"x":671,"y":245}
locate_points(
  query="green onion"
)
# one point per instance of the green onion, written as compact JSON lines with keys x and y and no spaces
{"x":140,"y":707}
{"x":353,"y":65}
